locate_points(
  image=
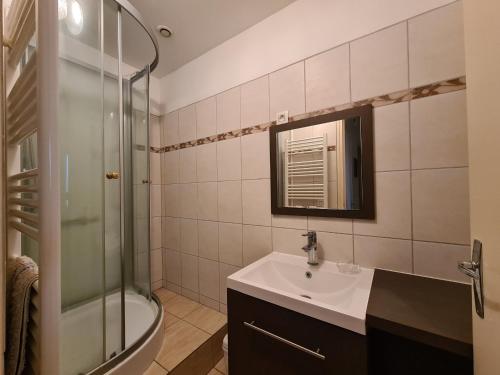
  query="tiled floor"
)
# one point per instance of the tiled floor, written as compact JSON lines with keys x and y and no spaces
{"x":193,"y":337}
{"x":219,"y":369}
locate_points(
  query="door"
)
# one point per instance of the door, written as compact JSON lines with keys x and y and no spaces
{"x":139,"y":138}
{"x":482,"y":45}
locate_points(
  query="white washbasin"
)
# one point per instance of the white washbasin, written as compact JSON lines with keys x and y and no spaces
{"x":328,"y":295}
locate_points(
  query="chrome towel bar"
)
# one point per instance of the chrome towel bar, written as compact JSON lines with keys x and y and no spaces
{"x":285,"y":341}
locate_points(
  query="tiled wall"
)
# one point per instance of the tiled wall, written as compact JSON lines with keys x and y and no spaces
{"x":216,"y":195}
{"x":156,"y":213}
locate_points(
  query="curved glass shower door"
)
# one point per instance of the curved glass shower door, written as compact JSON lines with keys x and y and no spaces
{"x":104,"y":148}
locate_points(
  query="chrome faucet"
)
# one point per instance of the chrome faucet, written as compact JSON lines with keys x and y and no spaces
{"x":311,"y":248}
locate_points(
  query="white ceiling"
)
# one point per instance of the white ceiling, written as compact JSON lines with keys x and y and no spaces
{"x":197,"y":25}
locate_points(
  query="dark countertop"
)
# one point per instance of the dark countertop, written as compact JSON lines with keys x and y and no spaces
{"x":430,"y":311}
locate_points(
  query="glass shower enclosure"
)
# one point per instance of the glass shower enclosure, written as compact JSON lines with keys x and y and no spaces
{"x":105,"y":59}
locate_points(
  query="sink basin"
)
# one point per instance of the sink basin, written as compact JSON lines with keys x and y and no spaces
{"x":322,"y":291}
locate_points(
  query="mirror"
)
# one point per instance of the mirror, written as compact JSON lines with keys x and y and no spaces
{"x":323,"y":165}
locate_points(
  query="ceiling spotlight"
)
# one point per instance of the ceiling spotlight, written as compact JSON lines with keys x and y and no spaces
{"x":164,"y":31}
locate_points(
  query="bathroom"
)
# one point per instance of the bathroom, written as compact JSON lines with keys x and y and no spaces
{"x":250,"y":187}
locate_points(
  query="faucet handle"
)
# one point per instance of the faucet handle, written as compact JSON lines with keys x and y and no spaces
{"x":311,"y":235}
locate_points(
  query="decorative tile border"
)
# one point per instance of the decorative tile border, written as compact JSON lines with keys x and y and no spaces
{"x":432,"y":89}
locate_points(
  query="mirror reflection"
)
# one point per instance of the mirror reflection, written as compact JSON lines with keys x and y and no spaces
{"x":319,"y":166}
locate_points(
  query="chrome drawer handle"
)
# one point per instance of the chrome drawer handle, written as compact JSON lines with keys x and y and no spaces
{"x":285,"y":341}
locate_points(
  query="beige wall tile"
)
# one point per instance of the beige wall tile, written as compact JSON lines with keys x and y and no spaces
{"x":393,"y":207}
{"x":289,"y":221}
{"x":208,"y":239}
{"x":436,"y":45}
{"x":327,"y":79}
{"x":206,"y":117}
{"x":440,"y":260}
{"x":230,"y":209}
{"x":256,"y":202}
{"x":329,"y":224}
{"x":257,"y":243}
{"x":289,"y":241}
{"x":287,"y":91}
{"x":172,"y":266}
{"x":441,"y":205}
{"x":229,"y":159}
{"x":170,"y":167}
{"x":211,"y":303}
{"x":155,"y":233}
{"x":334,"y":247}
{"x":156,"y":265}
{"x":255,"y":102}
{"x":171,"y":233}
{"x":187,"y":165}
{"x":439,"y":131}
{"x":225,"y":271}
{"x":188,"y":200}
{"x":187,"y":124}
{"x":189,"y":272}
{"x":223,"y":309}
{"x":171,"y":200}
{"x":209,"y":278}
{"x":228,"y":110}
{"x":255,"y":156}
{"x":386,"y":253}
{"x":392,"y":137}
{"x":174,"y":287}
{"x":207,"y":201}
{"x":170,"y":129}
{"x":154,"y":132}
{"x":189,"y":236}
{"x":188,"y":293}
{"x":156,"y":170}
{"x":206,"y":162}
{"x":231,"y":244}
{"x":379,"y":63}
{"x":155,"y":200}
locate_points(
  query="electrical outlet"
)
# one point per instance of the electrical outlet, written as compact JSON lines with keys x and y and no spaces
{"x":282,"y":117}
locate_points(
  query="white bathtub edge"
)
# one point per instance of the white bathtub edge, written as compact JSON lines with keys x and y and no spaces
{"x":139,"y":361}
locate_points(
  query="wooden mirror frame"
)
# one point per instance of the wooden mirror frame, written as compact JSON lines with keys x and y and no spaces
{"x":367,"y":210}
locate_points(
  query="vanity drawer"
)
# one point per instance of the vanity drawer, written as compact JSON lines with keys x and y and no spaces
{"x":268,"y":339}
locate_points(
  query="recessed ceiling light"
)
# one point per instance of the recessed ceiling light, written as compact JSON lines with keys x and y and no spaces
{"x":164,"y":31}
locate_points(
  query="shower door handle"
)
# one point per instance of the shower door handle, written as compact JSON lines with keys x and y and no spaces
{"x":113,"y":175}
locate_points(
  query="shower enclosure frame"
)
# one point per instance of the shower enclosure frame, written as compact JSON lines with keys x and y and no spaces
{"x":48,"y":186}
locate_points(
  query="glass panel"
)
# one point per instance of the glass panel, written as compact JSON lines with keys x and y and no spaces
{"x":140,"y":173}
{"x":82,"y":191}
{"x":112,"y":206}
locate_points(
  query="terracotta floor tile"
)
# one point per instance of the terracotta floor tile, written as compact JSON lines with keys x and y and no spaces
{"x":180,"y":340}
{"x":221,"y":366}
{"x":155,"y":369}
{"x":180,"y":306}
{"x":165,"y":295}
{"x":206,"y":319}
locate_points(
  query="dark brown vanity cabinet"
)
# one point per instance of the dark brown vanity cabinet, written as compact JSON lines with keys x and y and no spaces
{"x":268,"y":339}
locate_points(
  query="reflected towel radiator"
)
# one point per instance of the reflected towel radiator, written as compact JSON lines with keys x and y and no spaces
{"x":306,"y":172}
